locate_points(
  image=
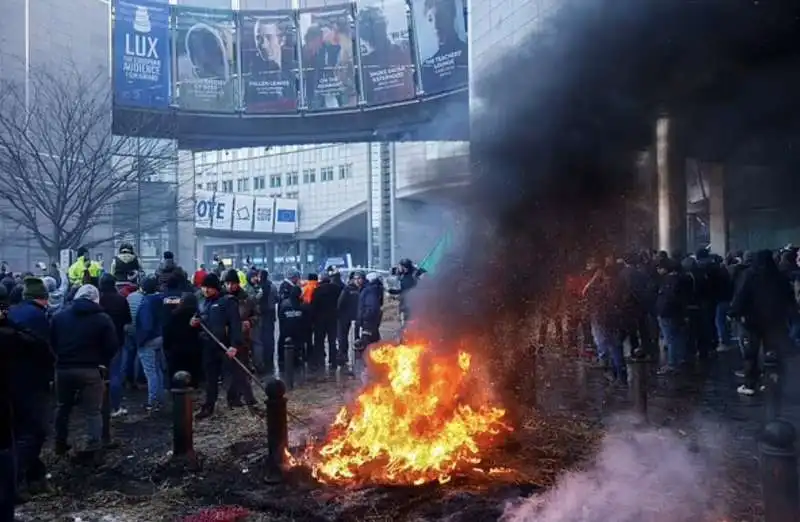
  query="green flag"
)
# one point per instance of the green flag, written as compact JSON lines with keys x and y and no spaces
{"x":435,"y":256}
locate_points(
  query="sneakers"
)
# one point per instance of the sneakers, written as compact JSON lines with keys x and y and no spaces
{"x":204,"y":413}
{"x":739,"y":374}
{"x":120,"y":412}
{"x":744,"y":390}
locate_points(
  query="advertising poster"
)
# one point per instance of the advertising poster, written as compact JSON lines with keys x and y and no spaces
{"x":206,"y":59}
{"x":141,"y":54}
{"x":203,"y":209}
{"x":285,"y":216}
{"x":387,"y":69}
{"x":243,"y":213}
{"x":328,"y":58}
{"x":270,"y":70}
{"x":262,"y":214}
{"x":440,"y":29}
{"x":223,"y":212}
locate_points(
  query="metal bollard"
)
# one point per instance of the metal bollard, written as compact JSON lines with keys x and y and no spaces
{"x":772,"y":382}
{"x":277,"y":429}
{"x":780,"y":486}
{"x":182,"y":421}
{"x":288,"y":361}
{"x":639,"y":368}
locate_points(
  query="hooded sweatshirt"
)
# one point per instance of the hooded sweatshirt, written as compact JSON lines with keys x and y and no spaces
{"x":83,"y":336}
{"x":114,"y":305}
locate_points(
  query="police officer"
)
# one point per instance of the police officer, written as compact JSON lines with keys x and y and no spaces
{"x":292,"y":322}
{"x":220,"y":314}
{"x":248,"y":315}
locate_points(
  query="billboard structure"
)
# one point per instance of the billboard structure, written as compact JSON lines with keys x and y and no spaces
{"x":350,"y":56}
{"x":226,"y":212}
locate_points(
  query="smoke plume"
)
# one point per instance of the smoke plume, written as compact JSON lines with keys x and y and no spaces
{"x":647,"y":476}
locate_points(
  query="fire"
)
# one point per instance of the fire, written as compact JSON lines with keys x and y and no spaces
{"x":420,"y":420}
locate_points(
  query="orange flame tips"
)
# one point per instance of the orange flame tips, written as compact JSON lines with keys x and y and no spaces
{"x":419,"y":421}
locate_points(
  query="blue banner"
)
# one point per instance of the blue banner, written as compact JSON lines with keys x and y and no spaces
{"x":141,"y":54}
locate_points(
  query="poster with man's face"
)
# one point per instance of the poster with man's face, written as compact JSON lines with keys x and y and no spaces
{"x":387,"y":70}
{"x":328,"y":50}
{"x":269,"y":61}
{"x":441,"y":33}
{"x":206,"y":61}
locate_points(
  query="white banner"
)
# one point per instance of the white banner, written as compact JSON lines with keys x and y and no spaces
{"x":243,"y":213}
{"x":263,"y":212}
{"x":204,"y":209}
{"x":223,"y":212}
{"x":285,"y":216}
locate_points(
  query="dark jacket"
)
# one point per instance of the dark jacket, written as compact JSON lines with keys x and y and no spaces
{"x":370,"y":303}
{"x":169,"y":269}
{"x":347,"y":304}
{"x":150,"y":319}
{"x":221,"y":315}
{"x":14,"y":343}
{"x":83,"y":336}
{"x":268,"y":299}
{"x":115,"y":306}
{"x":764,"y":299}
{"x":326,"y":298}
{"x":671,"y":299}
{"x":35,"y":363}
{"x":178,"y":309}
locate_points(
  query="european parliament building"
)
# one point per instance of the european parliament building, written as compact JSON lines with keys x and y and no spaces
{"x":367,"y":198}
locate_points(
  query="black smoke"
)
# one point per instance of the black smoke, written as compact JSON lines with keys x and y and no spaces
{"x":566,"y":112}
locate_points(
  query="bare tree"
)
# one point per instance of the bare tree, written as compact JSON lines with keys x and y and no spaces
{"x":64,"y":174}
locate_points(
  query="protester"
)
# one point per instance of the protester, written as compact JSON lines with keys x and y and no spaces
{"x":84,"y":339}
{"x":150,"y":342}
{"x":267,"y":303}
{"x":125,"y":262}
{"x":116,"y":306}
{"x":324,"y":310}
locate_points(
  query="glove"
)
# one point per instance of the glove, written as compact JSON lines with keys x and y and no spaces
{"x":231,"y":352}
{"x":246,"y":325}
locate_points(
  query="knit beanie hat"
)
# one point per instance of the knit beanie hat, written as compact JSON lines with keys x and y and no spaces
{"x":211,"y":281}
{"x":34,"y":288}
{"x":89,"y":292}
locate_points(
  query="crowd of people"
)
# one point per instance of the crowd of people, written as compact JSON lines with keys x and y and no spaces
{"x":694,"y":306}
{"x":83,"y":331}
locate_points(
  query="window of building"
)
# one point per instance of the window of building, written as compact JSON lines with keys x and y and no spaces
{"x":292,"y":178}
{"x":259,"y":183}
{"x":345,"y":171}
{"x":309,"y":176}
{"x":326,"y":174}
{"x":227,"y":186}
{"x":211,"y":186}
{"x":242,"y":184}
{"x":275,"y":181}
{"x":199,"y":186}
{"x":292,"y":195}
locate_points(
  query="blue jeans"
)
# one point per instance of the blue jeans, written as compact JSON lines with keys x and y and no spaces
{"x":609,"y":346}
{"x":116,"y":375}
{"x":674,"y":332}
{"x":721,"y":320}
{"x":8,"y":484}
{"x":130,"y":367}
{"x":151,"y":354}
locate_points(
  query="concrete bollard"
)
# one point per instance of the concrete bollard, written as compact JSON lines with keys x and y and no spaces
{"x":780,"y":486}
{"x":277,"y":429}
{"x":639,"y":369}
{"x":773,"y":386}
{"x":182,"y":421}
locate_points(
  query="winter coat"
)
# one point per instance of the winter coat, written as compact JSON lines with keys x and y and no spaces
{"x":764,"y":299}
{"x":370,"y":305}
{"x":35,"y":363}
{"x":115,"y":306}
{"x":220,"y":314}
{"x":267,"y":298}
{"x":150,"y":319}
{"x":325,"y":303}
{"x":671,"y":298}
{"x":123,"y":264}
{"x":347,"y":304}
{"x":83,"y":336}
{"x":80,"y":266}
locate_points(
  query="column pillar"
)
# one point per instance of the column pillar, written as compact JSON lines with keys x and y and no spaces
{"x":717,"y":217}
{"x":671,"y":172}
{"x":302,"y":255}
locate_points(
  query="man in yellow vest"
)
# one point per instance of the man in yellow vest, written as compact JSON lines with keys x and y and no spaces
{"x":81,"y":265}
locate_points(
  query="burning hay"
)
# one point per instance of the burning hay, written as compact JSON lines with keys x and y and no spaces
{"x":421,"y":420}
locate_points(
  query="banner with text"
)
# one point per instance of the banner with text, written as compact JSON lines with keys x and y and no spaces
{"x":223,"y":212}
{"x":269,"y":61}
{"x":328,"y":57}
{"x":386,"y":63}
{"x":141,"y":54}
{"x":243,"y":213}
{"x":263,"y":210}
{"x":205,"y":70}
{"x":204,"y":209}
{"x":440,"y":32}
{"x":285,"y":216}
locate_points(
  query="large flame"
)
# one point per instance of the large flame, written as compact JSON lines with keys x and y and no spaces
{"x":422,"y":418}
